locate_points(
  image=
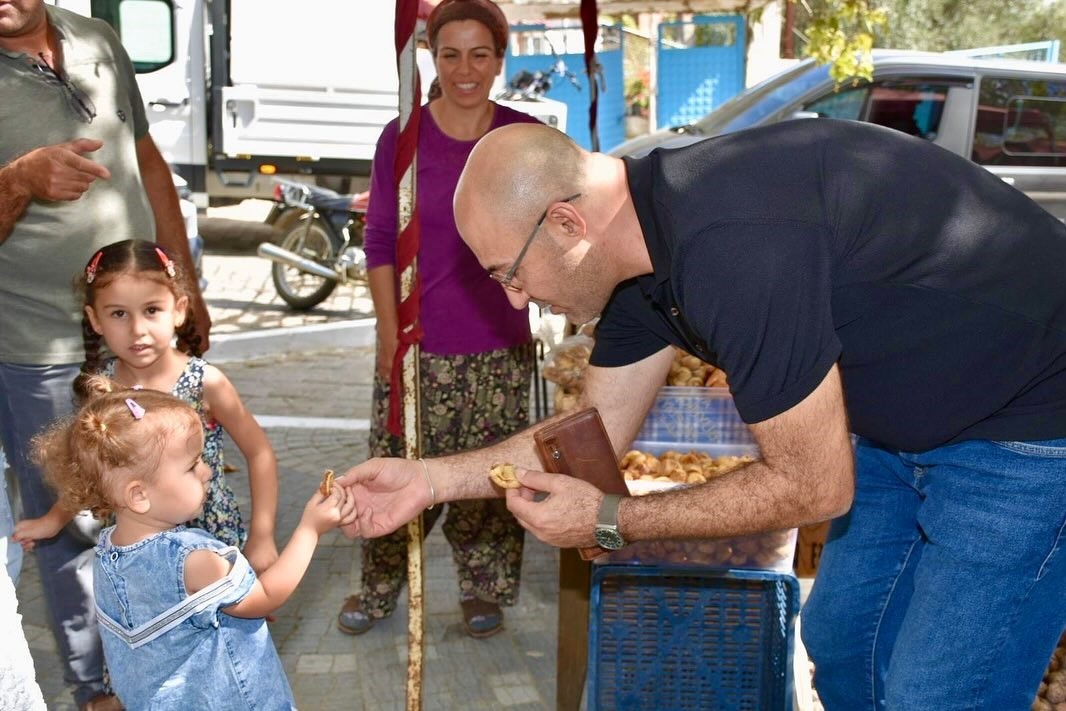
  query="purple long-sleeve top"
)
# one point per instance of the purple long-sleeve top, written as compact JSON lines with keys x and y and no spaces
{"x":462,"y":310}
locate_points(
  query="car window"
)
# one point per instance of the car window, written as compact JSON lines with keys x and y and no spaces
{"x":846,"y":104}
{"x":1020,"y":122}
{"x":913,"y":107}
{"x":750,"y":107}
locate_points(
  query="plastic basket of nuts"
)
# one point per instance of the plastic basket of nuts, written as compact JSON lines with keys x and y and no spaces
{"x":651,"y":467}
{"x":696,"y":415}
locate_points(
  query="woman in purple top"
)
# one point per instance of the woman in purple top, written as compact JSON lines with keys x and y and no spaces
{"x":476,"y":360}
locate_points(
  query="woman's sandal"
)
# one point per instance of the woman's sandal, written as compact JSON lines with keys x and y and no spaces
{"x":353,"y":617}
{"x":481,"y":618}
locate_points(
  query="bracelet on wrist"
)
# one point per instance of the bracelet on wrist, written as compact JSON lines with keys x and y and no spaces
{"x":429,"y":482}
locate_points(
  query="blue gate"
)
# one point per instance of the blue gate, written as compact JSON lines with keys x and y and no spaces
{"x":700,"y":66}
{"x":529,"y":50}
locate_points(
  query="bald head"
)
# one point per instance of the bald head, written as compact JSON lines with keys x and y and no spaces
{"x":512,"y":175}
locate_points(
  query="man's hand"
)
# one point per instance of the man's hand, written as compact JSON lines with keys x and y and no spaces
{"x":388,"y":493}
{"x":61,"y":171}
{"x":566,"y":517}
{"x":201,"y":316}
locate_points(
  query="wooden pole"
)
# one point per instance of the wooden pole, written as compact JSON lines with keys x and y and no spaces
{"x":409,"y":95}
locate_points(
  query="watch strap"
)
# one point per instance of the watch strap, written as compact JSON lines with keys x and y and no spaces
{"x":608,"y":515}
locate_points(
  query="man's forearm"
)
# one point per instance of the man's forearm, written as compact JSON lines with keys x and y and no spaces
{"x":159,"y":186}
{"x":753,"y":499}
{"x":466,"y":475}
{"x":14,"y":197}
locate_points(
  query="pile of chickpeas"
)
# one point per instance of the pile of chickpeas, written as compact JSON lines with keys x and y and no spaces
{"x":674,"y":468}
{"x":1051,"y":696}
{"x":678,"y":468}
{"x":689,"y":371}
{"x":565,"y":366}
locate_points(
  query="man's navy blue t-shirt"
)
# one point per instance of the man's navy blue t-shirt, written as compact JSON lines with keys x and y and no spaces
{"x":939,"y":289}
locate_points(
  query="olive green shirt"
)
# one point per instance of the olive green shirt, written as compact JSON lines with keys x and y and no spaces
{"x":40,"y":315}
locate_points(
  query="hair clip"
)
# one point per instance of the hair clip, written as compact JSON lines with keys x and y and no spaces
{"x":90,"y":271}
{"x":168,"y":263}
{"x":136,"y":410}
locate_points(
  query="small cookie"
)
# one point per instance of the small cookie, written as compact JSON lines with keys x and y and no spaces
{"x":503,"y":476}
{"x":326,"y":487}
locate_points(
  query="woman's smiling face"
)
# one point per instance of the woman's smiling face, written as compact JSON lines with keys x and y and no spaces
{"x":467,"y":62}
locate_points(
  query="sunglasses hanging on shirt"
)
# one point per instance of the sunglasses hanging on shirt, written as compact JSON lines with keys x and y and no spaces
{"x":78,"y":101}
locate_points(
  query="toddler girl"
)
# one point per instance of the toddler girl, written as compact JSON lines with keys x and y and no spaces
{"x":136,"y":302}
{"x":180,"y":612}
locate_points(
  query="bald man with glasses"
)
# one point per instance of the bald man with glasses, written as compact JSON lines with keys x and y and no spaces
{"x":78,"y":170}
{"x":850,"y":279}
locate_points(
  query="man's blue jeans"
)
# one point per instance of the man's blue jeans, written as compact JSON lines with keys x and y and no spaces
{"x":944,"y":587}
{"x":31,"y":398}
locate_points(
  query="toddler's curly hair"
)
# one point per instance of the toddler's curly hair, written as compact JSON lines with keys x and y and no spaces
{"x":88,"y":457}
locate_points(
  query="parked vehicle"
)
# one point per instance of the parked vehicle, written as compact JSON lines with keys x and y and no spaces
{"x":531,"y":86}
{"x":230,"y":104}
{"x":1008,"y":116}
{"x":321,"y":242}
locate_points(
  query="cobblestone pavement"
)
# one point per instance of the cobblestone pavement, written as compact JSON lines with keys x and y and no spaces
{"x":241,"y":297}
{"x":327,"y":669}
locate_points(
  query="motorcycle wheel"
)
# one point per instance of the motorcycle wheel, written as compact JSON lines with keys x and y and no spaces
{"x":300,"y":290}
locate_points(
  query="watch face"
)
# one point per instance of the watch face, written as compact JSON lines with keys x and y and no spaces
{"x":607,"y":537}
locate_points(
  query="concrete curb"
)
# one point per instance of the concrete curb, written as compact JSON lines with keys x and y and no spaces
{"x":229,"y":347}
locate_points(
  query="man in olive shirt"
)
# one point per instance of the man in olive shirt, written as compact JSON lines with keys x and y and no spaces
{"x":78,"y":170}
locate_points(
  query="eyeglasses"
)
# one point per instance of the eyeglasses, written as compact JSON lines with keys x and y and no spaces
{"x":78,"y":101}
{"x":506,"y":278}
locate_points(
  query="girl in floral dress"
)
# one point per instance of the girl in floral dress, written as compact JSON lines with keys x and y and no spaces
{"x":135,"y":303}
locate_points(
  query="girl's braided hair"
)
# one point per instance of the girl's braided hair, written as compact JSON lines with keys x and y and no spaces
{"x":90,"y":455}
{"x":145,"y":260}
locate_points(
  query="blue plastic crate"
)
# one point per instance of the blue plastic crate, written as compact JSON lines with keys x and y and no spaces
{"x":696,"y":416}
{"x":676,"y":638}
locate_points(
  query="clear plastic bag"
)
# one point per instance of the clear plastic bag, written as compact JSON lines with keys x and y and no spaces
{"x":567,"y":361}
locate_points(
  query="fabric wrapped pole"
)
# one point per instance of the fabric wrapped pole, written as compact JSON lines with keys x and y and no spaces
{"x":409,"y":327}
{"x":409,"y":330}
{"x":590,"y":26}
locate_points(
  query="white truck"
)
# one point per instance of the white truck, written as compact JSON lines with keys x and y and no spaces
{"x":238,"y":91}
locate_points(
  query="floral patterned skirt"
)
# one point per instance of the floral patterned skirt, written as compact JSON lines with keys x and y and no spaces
{"x":468,"y":401}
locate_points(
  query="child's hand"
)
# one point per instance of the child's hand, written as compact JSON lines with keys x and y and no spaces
{"x":324,"y":513}
{"x":261,"y":552}
{"x":30,"y":530}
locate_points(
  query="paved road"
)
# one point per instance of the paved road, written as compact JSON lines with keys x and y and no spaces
{"x":327,"y":669}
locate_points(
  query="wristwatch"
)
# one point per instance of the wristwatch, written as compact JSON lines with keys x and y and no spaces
{"x":607,"y":535}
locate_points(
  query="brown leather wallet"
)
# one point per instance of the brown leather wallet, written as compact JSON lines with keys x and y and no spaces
{"x":578,"y":446}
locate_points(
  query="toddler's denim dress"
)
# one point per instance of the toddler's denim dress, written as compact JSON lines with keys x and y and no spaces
{"x":167,"y":649}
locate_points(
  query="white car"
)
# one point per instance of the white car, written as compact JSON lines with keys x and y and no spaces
{"x":1008,"y":116}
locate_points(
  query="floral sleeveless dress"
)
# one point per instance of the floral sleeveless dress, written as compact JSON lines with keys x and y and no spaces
{"x":221,"y":517}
